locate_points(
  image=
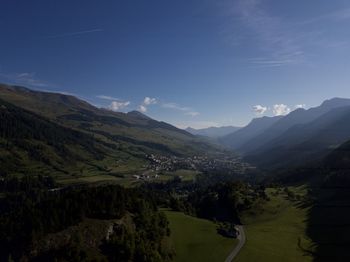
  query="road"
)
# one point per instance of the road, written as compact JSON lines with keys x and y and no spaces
{"x":241,"y":241}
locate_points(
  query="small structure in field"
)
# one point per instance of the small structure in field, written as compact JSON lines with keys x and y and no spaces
{"x":228,"y":230}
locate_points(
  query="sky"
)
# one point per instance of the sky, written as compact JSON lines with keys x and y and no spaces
{"x":195,"y":63}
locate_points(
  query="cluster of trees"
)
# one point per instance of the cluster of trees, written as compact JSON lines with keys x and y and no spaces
{"x":146,"y":243}
{"x":31,"y":208}
{"x":219,"y":197}
{"x":220,"y":202}
{"x":217,"y":202}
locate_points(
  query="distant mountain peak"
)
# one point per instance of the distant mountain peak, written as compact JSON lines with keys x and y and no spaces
{"x":301,"y":109}
{"x":138,"y":114}
{"x":211,"y":127}
{"x":214,"y":131}
{"x":265,"y":118}
{"x":336,"y":102}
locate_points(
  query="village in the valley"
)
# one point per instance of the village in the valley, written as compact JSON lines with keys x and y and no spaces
{"x":158,"y":164}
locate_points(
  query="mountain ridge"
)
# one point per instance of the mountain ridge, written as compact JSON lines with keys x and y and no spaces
{"x":254,"y":128}
{"x":131,"y":136}
{"x":213,"y":132}
{"x":299,"y":116}
{"x":306,"y":142}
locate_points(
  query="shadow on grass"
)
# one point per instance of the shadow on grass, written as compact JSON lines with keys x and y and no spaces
{"x":328,"y":223}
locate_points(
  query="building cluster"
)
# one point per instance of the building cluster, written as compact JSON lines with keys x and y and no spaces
{"x":162,"y":163}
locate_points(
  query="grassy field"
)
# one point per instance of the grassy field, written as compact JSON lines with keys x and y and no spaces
{"x":186,"y":175}
{"x":197,"y":240}
{"x":123,"y":179}
{"x":89,"y":179}
{"x":277,"y":230}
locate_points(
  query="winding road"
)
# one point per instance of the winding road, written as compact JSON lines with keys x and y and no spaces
{"x":241,"y":241}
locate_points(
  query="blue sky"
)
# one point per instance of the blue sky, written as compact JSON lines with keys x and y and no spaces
{"x":188,"y":62}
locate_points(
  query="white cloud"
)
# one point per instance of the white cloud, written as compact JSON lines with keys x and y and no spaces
{"x":192,"y":113}
{"x":300,"y":106}
{"x":149,"y":101}
{"x":259,"y":109}
{"x":117,"y":105}
{"x":281,"y":110}
{"x":142,"y":108}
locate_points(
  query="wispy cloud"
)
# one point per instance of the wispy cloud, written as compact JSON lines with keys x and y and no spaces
{"x":259,"y":109}
{"x":196,"y":124}
{"x":278,"y":59}
{"x":25,"y":78}
{"x":104,"y":97}
{"x":276,"y":41}
{"x":175,"y":106}
{"x":187,"y":110}
{"x":192,"y":113}
{"x":77,"y":33}
{"x":279,"y":40}
{"x":337,"y":15}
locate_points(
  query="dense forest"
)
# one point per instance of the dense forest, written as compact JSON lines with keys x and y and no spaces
{"x":212,"y":196}
{"x":32,"y":208}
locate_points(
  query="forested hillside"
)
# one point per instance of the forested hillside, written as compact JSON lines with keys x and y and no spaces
{"x":29,"y":142}
{"x":42,"y":223}
{"x":63,"y":136}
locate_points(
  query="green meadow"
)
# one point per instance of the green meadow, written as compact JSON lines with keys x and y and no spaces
{"x":276,"y":231}
{"x":196,"y":239}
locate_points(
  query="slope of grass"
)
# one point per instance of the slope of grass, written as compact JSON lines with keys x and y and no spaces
{"x":196,"y":239}
{"x":277,"y":230}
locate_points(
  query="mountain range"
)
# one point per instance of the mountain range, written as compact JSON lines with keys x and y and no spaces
{"x":300,"y":137}
{"x":57,"y":133}
{"x":213,"y":132}
{"x":60,"y":134}
{"x":255,"y":127}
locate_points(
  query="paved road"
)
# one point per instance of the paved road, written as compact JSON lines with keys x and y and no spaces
{"x":241,"y":238}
